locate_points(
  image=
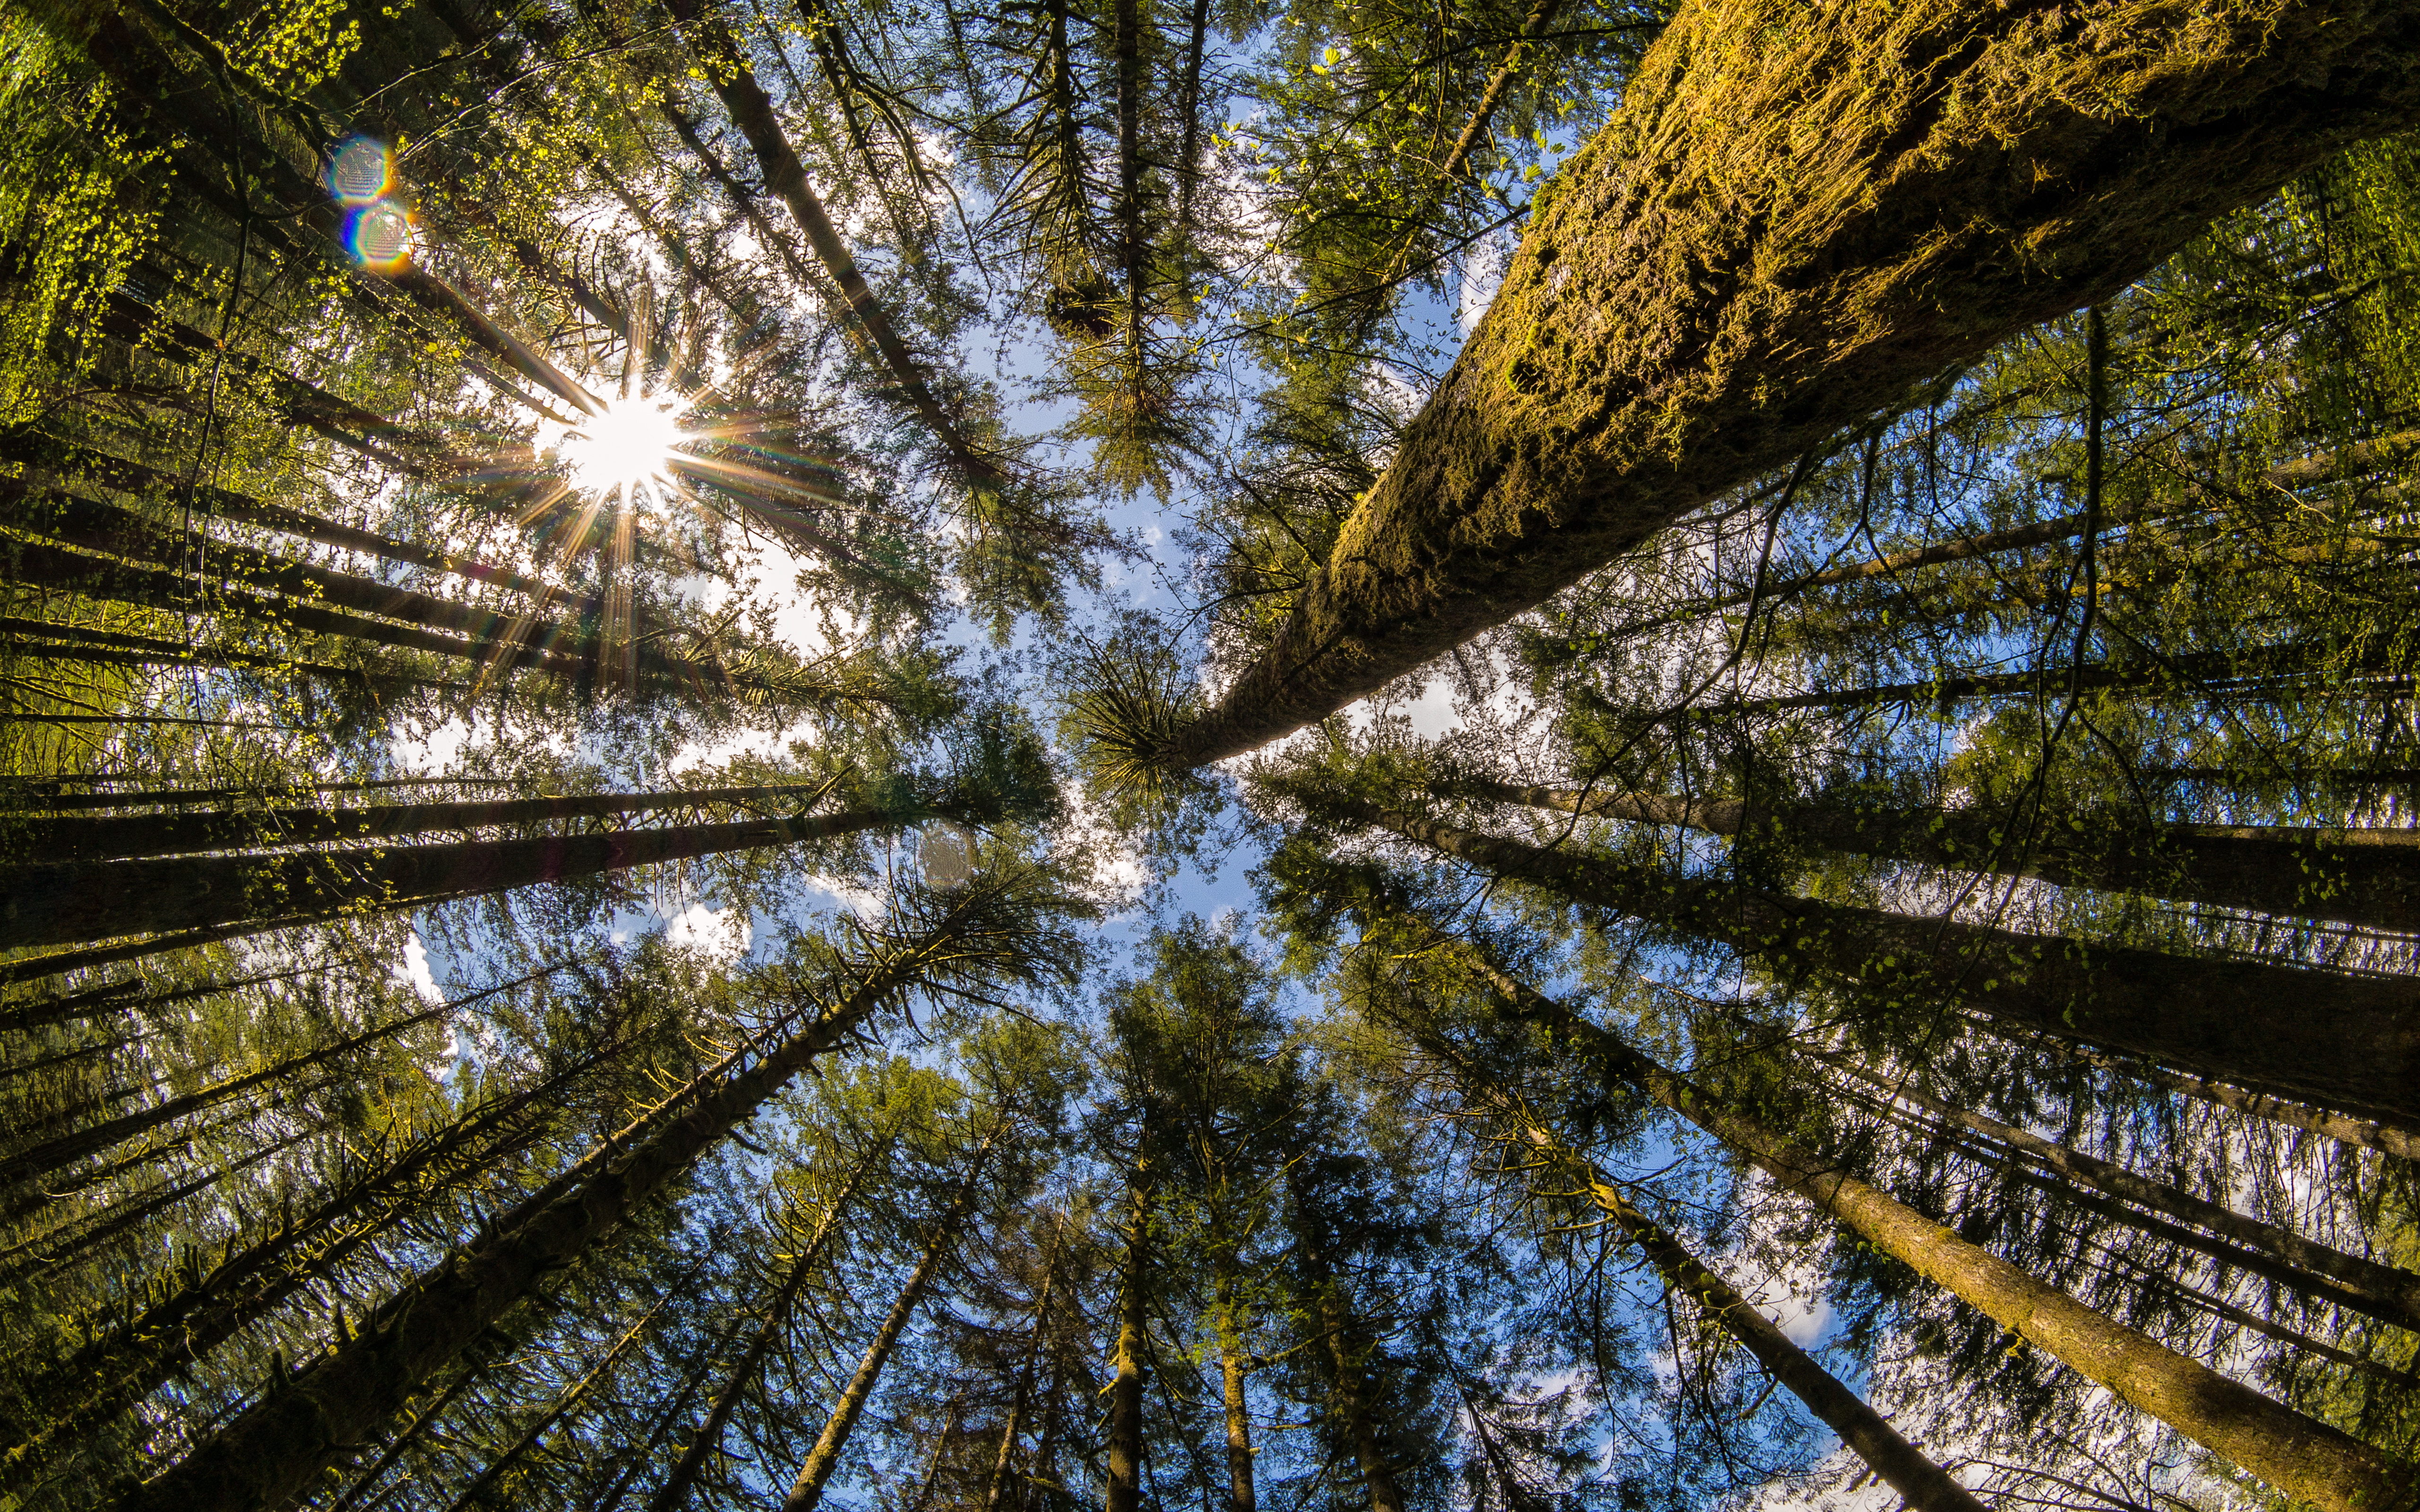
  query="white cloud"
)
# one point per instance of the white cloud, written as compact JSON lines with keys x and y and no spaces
{"x":415,"y":970}
{"x":719,"y":933}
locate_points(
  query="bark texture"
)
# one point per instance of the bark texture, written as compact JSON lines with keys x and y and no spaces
{"x":2382,"y":1291}
{"x":1124,"y":1492}
{"x":1799,"y":213}
{"x":2349,"y":1042}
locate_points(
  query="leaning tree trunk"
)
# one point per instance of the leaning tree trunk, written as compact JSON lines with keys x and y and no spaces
{"x":751,"y":111}
{"x":482,"y":1490}
{"x":807,"y":1490}
{"x":2299,"y":1456}
{"x":271,"y":1452}
{"x":2366,"y":877}
{"x":707,"y":1439}
{"x":2351,"y":1042}
{"x":2366,"y":1135}
{"x":1798,"y":214}
{"x":2381,"y":1291}
{"x":70,"y":903}
{"x":1925,"y":1486}
{"x":112,"y":1374}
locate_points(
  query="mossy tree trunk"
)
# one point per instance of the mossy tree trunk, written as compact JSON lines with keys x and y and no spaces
{"x":1798,"y":214}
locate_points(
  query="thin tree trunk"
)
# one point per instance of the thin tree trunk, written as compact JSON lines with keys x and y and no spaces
{"x":111,"y":1375}
{"x":2386,"y":1140}
{"x":1124,"y":1492}
{"x":2366,"y":877}
{"x":2352,"y":1042}
{"x":62,"y":459}
{"x":131,"y":836}
{"x":636,"y":1458}
{"x":996,"y":1489}
{"x":1345,"y":1352}
{"x":807,"y":1490}
{"x":751,"y":111}
{"x":484,"y":1484}
{"x":1905,"y":1469}
{"x":272,"y":1451}
{"x":2382,"y":1291}
{"x":51,"y":1154}
{"x":1926,"y":185}
{"x":2305,"y":1458}
{"x":707,"y":1439}
{"x":74,"y":902}
{"x":2215,"y":674}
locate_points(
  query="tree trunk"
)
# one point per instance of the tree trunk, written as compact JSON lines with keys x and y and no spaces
{"x":2366,"y":877}
{"x":751,"y":111}
{"x":2386,"y":1140}
{"x":2381,"y":1291}
{"x":74,"y":902}
{"x":1907,"y":1470}
{"x":129,"y":836}
{"x":807,"y":1490}
{"x":707,"y":1439}
{"x":67,"y":1148}
{"x":1241,"y":1494}
{"x":996,"y":1489}
{"x":272,"y":1451}
{"x":65,"y":461}
{"x":482,"y":1486}
{"x":1125,"y":1487}
{"x":111,"y":1375}
{"x":2304,"y":1458}
{"x":1346,"y":1353}
{"x":1795,"y":216}
{"x":2351,"y":1042}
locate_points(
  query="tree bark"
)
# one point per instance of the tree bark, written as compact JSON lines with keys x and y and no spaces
{"x":2305,"y":1458}
{"x":71,"y":902}
{"x":131,"y":836}
{"x":483,"y":1485}
{"x":2381,"y":1291}
{"x":272,"y":1451}
{"x":2350,"y":1042}
{"x":2364,"y":877}
{"x":2383,"y":1138}
{"x":108,"y":1377}
{"x":1241,"y":1494}
{"x":1124,"y":1492}
{"x":1795,"y":216}
{"x":707,"y":1439}
{"x":807,"y":1490}
{"x":996,"y":1489}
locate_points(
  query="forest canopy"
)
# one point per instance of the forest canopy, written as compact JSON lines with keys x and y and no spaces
{"x":1050,"y":755}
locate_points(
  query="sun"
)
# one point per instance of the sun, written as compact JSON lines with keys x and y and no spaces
{"x":627,"y":445}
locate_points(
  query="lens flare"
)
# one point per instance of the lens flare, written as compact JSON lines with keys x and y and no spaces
{"x":379,"y":236}
{"x":361,"y":171}
{"x":629,"y":445}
